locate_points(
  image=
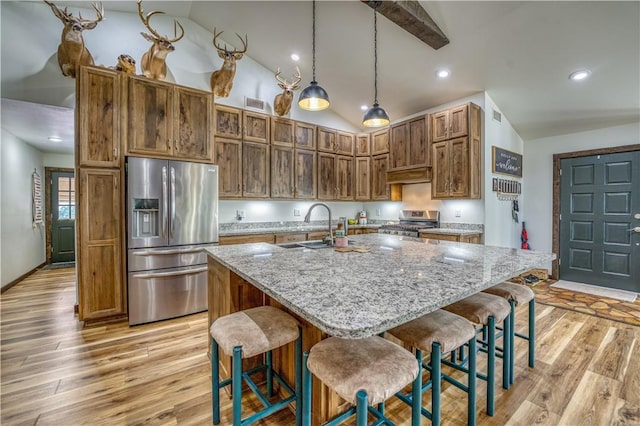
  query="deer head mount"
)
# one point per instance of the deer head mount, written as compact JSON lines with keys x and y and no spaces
{"x":72,"y":52}
{"x":222,"y":79}
{"x":153,"y":61}
{"x":282,"y":101}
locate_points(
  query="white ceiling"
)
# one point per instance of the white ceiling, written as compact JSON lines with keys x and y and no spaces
{"x":521,"y":53}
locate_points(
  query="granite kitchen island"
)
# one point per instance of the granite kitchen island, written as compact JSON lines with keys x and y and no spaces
{"x":351,"y":294}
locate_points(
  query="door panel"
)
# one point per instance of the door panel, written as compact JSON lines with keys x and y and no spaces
{"x":63,"y":215}
{"x":599,"y":197}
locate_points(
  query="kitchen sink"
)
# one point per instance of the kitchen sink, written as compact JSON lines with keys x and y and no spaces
{"x":316,"y":244}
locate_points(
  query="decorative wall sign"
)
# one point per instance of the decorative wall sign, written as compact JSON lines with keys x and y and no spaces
{"x":36,"y":198}
{"x":506,"y":162}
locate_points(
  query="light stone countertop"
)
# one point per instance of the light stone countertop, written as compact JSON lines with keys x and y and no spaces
{"x":287,"y":229}
{"x":450,"y":231}
{"x":356,"y":295}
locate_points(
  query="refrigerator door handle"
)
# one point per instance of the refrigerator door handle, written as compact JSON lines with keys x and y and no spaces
{"x":166,"y":252}
{"x":165,"y":202}
{"x":173,"y":202}
{"x":171,"y":274}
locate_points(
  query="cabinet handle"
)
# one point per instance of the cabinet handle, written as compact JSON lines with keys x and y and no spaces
{"x":175,"y":145}
{"x":115,"y":154}
{"x":238,"y":187}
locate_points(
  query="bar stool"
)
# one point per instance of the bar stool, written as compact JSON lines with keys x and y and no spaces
{"x":364,"y":372}
{"x":487,"y":309}
{"x":516,"y":295}
{"x":245,"y":334}
{"x":440,"y":332}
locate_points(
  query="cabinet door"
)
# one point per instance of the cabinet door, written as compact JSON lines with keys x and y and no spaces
{"x":326,"y":139}
{"x":439,"y":126}
{"x":192,"y":126}
{"x":282,"y":132}
{"x":441,"y":171}
{"x":345,"y":177}
{"x":150,"y":117}
{"x":282,"y":172}
{"x":326,"y":176}
{"x":228,"y":122}
{"x":398,"y":146}
{"x":101,"y":284}
{"x":363,"y":144}
{"x":458,"y":122}
{"x":305,"y":174}
{"x":418,"y":152}
{"x":305,"y":135}
{"x":98,"y":121}
{"x":380,"y":142}
{"x":345,"y":143}
{"x":459,"y":167}
{"x":363,"y":178}
{"x":379,"y":187}
{"x":229,"y":159}
{"x":256,"y":127}
{"x":255,"y":169}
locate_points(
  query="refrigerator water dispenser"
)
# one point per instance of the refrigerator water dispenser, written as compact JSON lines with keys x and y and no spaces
{"x":145,"y":217}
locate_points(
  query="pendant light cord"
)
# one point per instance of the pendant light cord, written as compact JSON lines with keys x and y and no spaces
{"x":313,"y":41}
{"x":375,"y":56}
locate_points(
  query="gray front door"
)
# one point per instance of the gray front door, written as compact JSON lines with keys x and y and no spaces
{"x":63,"y":217}
{"x":600,"y":210}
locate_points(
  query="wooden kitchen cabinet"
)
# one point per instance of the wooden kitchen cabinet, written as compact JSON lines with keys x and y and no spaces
{"x":305,"y":135}
{"x":99,"y":111}
{"x":363,"y":178}
{"x":450,"y":123}
{"x":228,"y":122}
{"x":326,"y":139}
{"x":326,"y":176}
{"x":256,"y":127}
{"x":282,"y":132}
{"x":255,"y":170}
{"x":380,"y":142}
{"x":292,"y":237}
{"x":409,"y":152}
{"x":345,"y":143}
{"x":282,"y":172}
{"x":166,"y":120}
{"x":245,"y":239}
{"x":363,"y":144}
{"x":380,"y":189}
{"x":229,"y":159}
{"x":100,"y":240}
{"x":345,"y":177}
{"x":467,"y":238}
{"x":305,"y":174}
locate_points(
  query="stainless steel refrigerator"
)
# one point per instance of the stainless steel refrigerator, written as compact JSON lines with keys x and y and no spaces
{"x":172,"y":213}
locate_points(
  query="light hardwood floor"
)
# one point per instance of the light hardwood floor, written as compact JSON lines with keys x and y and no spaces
{"x":55,"y":372}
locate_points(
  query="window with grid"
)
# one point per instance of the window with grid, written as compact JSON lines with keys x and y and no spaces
{"x":66,"y":198}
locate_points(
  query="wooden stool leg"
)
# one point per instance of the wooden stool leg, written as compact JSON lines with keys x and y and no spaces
{"x":436,"y":383}
{"x":236,"y":382}
{"x":416,"y":393}
{"x":215,"y":382}
{"x":361,"y":408}
{"x":532,"y":333}
{"x":306,"y":391}
{"x":491,"y":366}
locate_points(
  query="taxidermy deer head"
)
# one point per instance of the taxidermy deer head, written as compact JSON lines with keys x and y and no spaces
{"x":222,"y":79}
{"x":282,"y":102}
{"x":153,"y":61}
{"x":72,"y":53}
{"x":126,"y":64}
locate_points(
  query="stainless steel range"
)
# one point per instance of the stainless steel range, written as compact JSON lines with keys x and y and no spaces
{"x":411,"y":221}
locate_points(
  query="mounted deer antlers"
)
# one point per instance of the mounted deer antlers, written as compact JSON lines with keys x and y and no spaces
{"x":282,"y":101}
{"x":71,"y":52}
{"x":222,"y":79}
{"x":153,"y":61}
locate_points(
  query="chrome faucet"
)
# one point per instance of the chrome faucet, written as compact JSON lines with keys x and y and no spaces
{"x":307,"y":218}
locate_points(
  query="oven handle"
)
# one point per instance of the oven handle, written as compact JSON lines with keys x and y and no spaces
{"x":171,"y":274}
{"x":164,"y":252}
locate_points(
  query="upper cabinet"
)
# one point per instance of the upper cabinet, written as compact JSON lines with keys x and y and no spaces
{"x":305,"y":179}
{"x":363,"y":178}
{"x":305,"y":135}
{"x":256,"y":127}
{"x":282,"y":132}
{"x":409,"y":153}
{"x":228,"y":122}
{"x":229,"y":160}
{"x":335,"y":142}
{"x":456,"y":161}
{"x":167,"y":120}
{"x":98,"y":127}
{"x":282,"y":172}
{"x":326,"y":139}
{"x":345,"y":143}
{"x":363,"y":144}
{"x":450,"y":123}
{"x":380,"y":142}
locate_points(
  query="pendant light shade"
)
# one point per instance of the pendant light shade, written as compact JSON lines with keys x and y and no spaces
{"x":376,"y":116}
{"x":314,"y":97}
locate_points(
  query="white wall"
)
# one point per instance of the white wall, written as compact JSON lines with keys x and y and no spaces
{"x":61,"y":161}
{"x":23,"y":246}
{"x":538,"y":170}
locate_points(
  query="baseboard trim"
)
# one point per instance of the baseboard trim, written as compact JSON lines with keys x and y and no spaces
{"x":22,"y":277}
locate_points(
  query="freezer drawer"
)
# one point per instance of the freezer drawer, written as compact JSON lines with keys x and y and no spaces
{"x":168,"y":293}
{"x":167,"y":257}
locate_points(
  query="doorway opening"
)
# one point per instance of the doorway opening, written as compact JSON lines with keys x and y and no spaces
{"x":60,"y":213}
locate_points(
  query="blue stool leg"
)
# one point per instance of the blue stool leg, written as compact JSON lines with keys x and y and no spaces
{"x":532,"y":333}
{"x":436,"y":381}
{"x":416,"y":393}
{"x":361,"y":408}
{"x":215,"y":382}
{"x":306,"y":391}
{"x":471,"y":397}
{"x":298,"y":355}
{"x":491,"y":366}
{"x":236,"y":382}
{"x":269,"y":362}
{"x":506,"y":353}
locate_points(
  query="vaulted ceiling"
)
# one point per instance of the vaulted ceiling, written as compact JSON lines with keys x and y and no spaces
{"x":521,"y":53}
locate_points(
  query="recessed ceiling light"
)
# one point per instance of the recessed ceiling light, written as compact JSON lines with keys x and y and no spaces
{"x":55,"y":139}
{"x":579,"y":75}
{"x":364,"y":107}
{"x":443,"y":73}
{"x":295,"y":57}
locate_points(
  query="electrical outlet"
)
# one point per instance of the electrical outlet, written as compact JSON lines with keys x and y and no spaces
{"x":296,"y":212}
{"x":241,"y":214}
{"x":458,"y":213}
{"x":378,"y":212}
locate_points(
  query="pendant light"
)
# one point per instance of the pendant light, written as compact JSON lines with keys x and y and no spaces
{"x":314,"y":97}
{"x":376,"y":116}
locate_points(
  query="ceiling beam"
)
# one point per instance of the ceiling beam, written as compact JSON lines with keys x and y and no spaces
{"x":410,"y":16}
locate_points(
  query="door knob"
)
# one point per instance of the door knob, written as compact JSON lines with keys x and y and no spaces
{"x":636,"y":216}
{"x":636,"y":229}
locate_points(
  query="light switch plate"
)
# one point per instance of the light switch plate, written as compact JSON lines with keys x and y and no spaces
{"x":296,"y":212}
{"x":241,"y":214}
{"x":458,"y":213}
{"x":378,"y":212}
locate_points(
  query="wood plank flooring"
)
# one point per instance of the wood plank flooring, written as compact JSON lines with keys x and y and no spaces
{"x":55,"y":372}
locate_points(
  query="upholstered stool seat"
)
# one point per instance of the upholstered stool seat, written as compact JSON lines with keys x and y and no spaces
{"x":441,"y":332}
{"x":245,"y":334}
{"x":364,"y":372}
{"x":486,"y":309}
{"x":516,"y":295}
